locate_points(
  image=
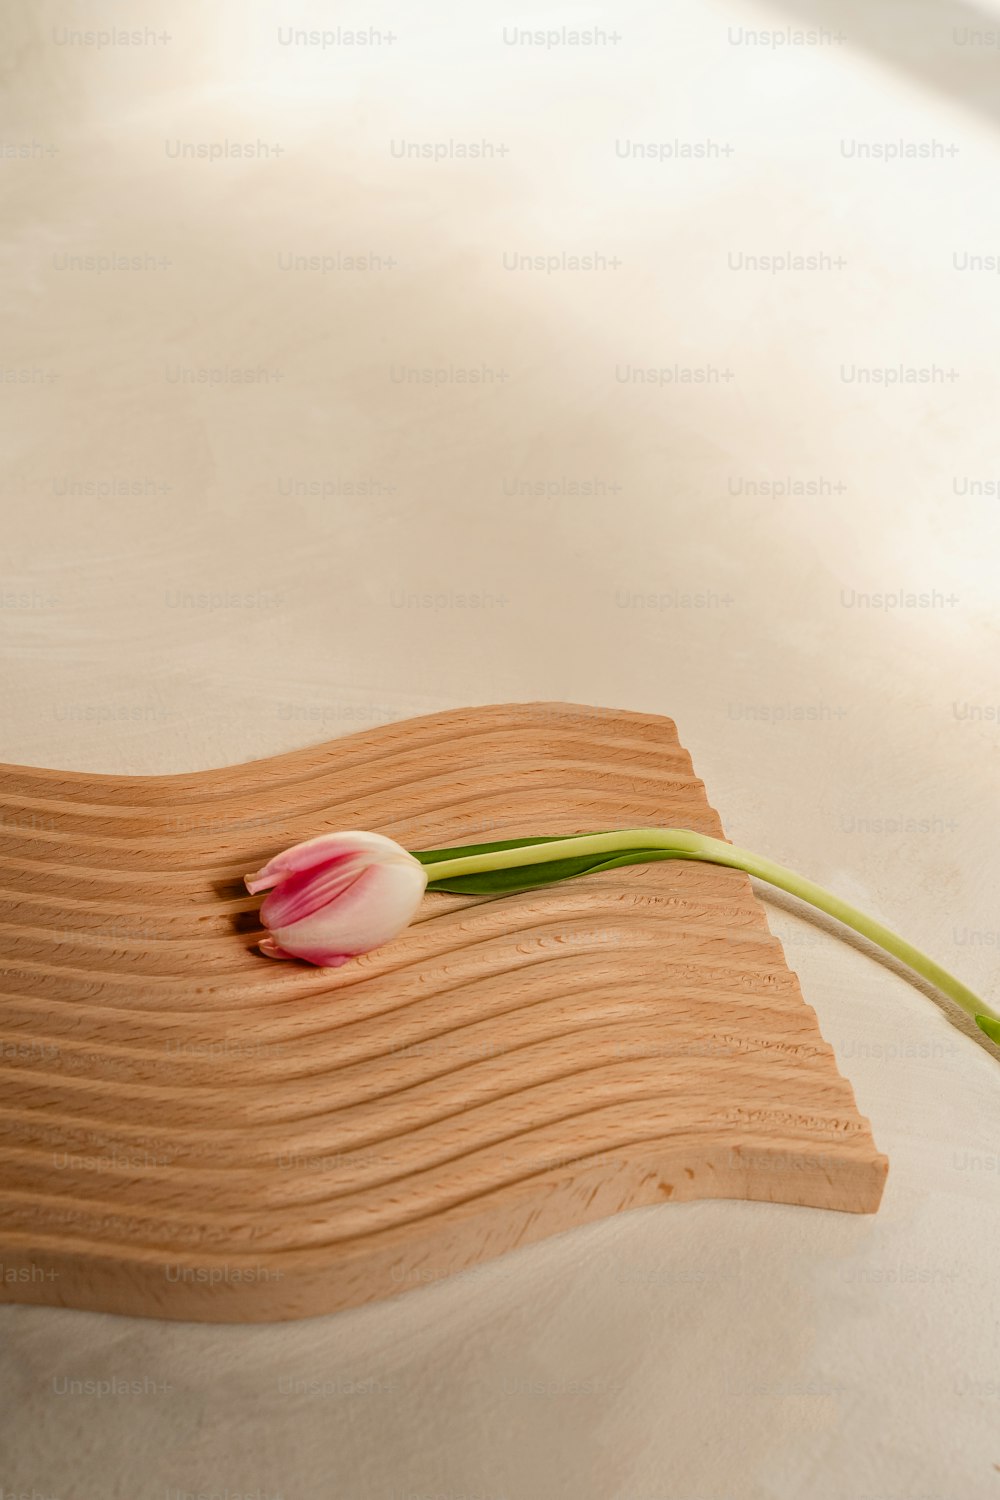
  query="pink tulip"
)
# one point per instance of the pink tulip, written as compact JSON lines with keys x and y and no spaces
{"x":336,"y":896}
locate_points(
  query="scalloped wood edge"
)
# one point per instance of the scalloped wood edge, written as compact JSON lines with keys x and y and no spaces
{"x":190,"y":1131}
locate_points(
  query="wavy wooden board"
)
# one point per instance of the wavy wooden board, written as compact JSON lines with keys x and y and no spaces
{"x":188,"y":1130}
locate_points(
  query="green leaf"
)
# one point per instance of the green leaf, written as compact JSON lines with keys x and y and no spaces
{"x":991,"y":1026}
{"x":529,"y":877}
{"x":459,"y":851}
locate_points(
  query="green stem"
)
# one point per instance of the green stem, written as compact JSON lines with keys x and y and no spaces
{"x":684,"y":844}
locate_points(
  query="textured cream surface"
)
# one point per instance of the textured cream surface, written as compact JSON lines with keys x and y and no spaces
{"x":332,"y":545}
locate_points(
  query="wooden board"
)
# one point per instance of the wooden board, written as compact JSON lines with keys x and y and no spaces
{"x":188,"y":1130}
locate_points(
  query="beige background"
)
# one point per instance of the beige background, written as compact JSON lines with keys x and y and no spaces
{"x":197,"y":572}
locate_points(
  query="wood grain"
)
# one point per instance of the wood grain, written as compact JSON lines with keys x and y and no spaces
{"x":188,"y":1130}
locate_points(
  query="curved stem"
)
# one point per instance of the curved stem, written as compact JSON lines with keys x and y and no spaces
{"x":688,"y":845}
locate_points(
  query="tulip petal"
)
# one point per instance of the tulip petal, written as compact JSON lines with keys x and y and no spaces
{"x":312,"y":852}
{"x":337,"y":895}
{"x":270,"y":949}
{"x":298,"y":896}
{"x":372,"y":909}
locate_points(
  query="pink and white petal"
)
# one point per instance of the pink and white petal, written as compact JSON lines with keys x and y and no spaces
{"x":270,"y":949}
{"x":320,"y":850}
{"x":379,"y":905}
{"x":371,"y":911}
{"x":325,"y":847}
{"x":297,"y":896}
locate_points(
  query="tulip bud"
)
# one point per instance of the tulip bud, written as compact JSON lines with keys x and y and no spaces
{"x":335,"y":896}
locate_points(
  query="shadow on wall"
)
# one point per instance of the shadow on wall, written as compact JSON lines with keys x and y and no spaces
{"x":944,"y":44}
